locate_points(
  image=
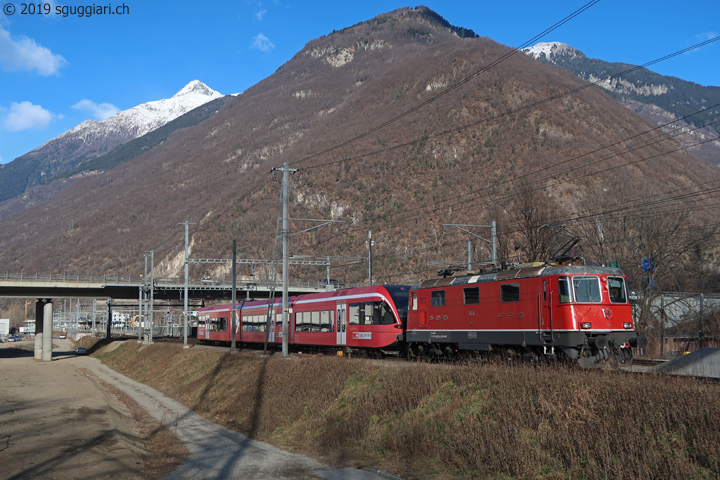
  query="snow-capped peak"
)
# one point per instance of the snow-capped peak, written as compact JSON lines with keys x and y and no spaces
{"x":144,"y":118}
{"x":137,"y":121}
{"x":550,"y":50}
{"x":196,"y":87}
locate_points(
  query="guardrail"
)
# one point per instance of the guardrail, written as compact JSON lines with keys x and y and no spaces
{"x":118,"y":279}
{"x":39,"y":277}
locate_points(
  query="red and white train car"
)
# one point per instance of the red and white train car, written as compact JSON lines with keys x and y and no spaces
{"x":582,"y":312}
{"x":366,"y":318}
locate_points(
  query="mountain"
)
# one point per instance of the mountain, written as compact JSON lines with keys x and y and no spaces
{"x":92,"y":139}
{"x":395,"y":126}
{"x":658,"y":98}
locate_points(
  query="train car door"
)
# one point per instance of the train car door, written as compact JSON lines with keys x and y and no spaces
{"x":545,"y":320}
{"x":207,"y":326}
{"x":341,"y":321}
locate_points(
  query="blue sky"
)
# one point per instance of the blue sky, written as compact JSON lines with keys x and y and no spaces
{"x":57,"y":71}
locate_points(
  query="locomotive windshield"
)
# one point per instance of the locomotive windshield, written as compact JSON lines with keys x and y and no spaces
{"x":587,"y":289}
{"x":400,"y":297}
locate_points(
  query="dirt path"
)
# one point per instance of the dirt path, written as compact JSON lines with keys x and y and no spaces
{"x":58,"y":421}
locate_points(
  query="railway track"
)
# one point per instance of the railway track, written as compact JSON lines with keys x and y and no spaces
{"x":647,"y":362}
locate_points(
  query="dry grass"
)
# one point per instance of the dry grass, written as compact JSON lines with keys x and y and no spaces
{"x":449,"y":421}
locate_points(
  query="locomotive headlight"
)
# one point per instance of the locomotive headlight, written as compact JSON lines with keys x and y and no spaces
{"x":627,"y":325}
{"x":586,"y":325}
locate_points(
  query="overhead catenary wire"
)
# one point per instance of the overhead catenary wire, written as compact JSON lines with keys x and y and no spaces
{"x":450,"y":88}
{"x":474,"y":75}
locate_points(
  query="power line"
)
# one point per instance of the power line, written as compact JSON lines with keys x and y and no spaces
{"x":453,"y":87}
{"x":506,"y":114}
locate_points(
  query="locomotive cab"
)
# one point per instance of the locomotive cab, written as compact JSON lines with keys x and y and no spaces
{"x":596,"y":308}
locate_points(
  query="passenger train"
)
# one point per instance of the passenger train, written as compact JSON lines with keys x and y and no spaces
{"x":535,"y":311}
{"x":366,"y":319}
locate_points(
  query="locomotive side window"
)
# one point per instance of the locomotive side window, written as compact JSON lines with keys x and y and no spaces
{"x":587,"y":289}
{"x":510,"y":292}
{"x":437,"y":298}
{"x":616,"y":289}
{"x":413,"y":300}
{"x":564,"y":290}
{"x":471,"y":295}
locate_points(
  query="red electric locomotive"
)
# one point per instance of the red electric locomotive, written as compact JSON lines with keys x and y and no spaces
{"x":581,"y":312}
{"x":366,"y":318}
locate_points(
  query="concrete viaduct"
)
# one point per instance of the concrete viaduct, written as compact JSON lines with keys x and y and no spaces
{"x":116,"y":287}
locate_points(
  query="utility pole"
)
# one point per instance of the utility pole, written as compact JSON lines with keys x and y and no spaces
{"x":152,"y":297}
{"x":185,"y":304}
{"x":285,"y":181}
{"x":492,"y":241}
{"x":144,"y":297}
{"x":140,"y":323}
{"x":701,"y":333}
{"x":468,"y":247}
{"x":234,"y":299}
{"x":370,"y":245}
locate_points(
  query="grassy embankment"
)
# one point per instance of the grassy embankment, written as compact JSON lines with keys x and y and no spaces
{"x":430,"y":421}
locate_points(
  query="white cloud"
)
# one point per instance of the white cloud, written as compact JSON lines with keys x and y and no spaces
{"x":706,"y":36}
{"x":99,"y":111}
{"x":23,"y":53}
{"x":25,"y":116}
{"x":260,"y":14}
{"x":262,"y":43}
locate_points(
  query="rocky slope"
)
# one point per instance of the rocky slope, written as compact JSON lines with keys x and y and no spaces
{"x":658,"y":98}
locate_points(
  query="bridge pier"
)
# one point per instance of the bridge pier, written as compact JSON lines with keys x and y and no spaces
{"x":47,"y":332}
{"x":43,"y":330}
{"x":39,"y":330}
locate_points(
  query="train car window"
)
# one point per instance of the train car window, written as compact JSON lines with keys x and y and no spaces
{"x":587,"y":289}
{"x":315,"y":319}
{"x":372,"y":314}
{"x":471,"y":295}
{"x":354,"y":314}
{"x":564,"y":290}
{"x":413,"y":300}
{"x":510,"y":292}
{"x":326,"y":321}
{"x":616,"y":289}
{"x":218,"y":324}
{"x":437,"y":298}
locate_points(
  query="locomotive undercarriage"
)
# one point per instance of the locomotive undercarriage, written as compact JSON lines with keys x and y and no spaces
{"x":534,"y":347}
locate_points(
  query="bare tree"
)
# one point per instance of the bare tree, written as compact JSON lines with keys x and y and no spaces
{"x":534,"y":211}
{"x":650,"y":237}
